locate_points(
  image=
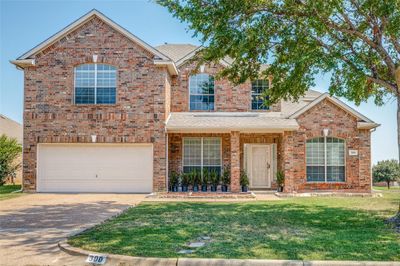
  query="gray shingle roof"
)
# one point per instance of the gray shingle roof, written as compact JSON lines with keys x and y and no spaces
{"x":229,"y":121}
{"x":176,"y":51}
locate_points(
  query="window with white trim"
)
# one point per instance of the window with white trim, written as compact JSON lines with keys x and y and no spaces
{"x":95,"y":84}
{"x":325,"y":159}
{"x":201,"y":90}
{"x":258,"y":87}
{"x":202,"y":153}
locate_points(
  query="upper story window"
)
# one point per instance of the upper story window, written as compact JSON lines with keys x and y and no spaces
{"x":325,"y":159}
{"x":95,"y":84}
{"x":258,"y":87}
{"x":201,"y":88}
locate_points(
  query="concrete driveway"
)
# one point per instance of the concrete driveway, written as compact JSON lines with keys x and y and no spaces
{"x":31,"y":225}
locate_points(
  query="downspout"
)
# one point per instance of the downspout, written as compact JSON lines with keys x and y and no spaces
{"x":166,"y":160}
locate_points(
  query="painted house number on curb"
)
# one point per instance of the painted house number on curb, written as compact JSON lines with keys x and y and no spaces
{"x":96,"y":259}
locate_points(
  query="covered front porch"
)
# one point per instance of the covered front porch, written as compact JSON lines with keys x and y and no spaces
{"x":244,"y":142}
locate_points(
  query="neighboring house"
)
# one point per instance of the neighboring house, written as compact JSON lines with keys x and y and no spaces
{"x":106,"y":112}
{"x":12,"y":129}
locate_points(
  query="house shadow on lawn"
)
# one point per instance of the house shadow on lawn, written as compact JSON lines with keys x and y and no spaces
{"x":247,"y":230}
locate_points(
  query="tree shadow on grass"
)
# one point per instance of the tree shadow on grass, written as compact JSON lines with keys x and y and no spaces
{"x":247,"y":230}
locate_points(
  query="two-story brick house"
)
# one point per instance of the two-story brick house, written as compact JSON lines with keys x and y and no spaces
{"x":106,"y":112}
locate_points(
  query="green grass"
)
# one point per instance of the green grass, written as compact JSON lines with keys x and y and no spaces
{"x":392,"y":189}
{"x":6,"y":191}
{"x":297,"y":228}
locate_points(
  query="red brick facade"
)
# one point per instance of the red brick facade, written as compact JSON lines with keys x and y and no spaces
{"x":341,"y":125}
{"x":228,"y":98}
{"x":146,"y":94}
{"x":138,"y":116}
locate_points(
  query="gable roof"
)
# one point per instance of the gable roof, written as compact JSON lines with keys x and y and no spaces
{"x":160,"y":58}
{"x":79,"y":22}
{"x":176,"y":51}
{"x":363,"y":121}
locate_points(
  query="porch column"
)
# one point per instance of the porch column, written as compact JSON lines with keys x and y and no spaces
{"x":235,"y":161}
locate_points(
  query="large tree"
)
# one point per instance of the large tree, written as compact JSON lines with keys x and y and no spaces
{"x":356,"y":41}
{"x":386,"y":171}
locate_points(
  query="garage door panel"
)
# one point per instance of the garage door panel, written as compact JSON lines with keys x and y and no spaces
{"x":95,"y":168}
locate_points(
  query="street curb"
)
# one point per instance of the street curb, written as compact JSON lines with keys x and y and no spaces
{"x":113,"y":259}
{"x":144,"y":261}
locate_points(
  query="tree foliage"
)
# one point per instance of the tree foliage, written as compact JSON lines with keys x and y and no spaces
{"x":386,"y":171}
{"x":10,"y":149}
{"x":355,"y":40}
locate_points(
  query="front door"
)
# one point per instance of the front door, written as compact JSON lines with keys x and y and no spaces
{"x":259,"y":165}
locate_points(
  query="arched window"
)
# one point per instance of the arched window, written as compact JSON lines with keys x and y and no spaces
{"x":201,"y":90}
{"x":325,"y":159}
{"x":258,"y":87}
{"x":95,"y":84}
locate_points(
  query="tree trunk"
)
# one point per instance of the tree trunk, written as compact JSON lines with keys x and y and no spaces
{"x":388,"y":184}
{"x":397,"y":77}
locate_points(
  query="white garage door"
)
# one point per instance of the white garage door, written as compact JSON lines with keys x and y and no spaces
{"x":95,"y":168}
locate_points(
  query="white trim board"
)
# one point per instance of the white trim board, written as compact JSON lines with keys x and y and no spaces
{"x":335,"y":101}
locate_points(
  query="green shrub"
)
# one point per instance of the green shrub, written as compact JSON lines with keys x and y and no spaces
{"x":280,"y":178}
{"x":244,"y":179}
{"x":10,"y":149}
{"x":226,"y":177}
{"x":214,"y":178}
{"x":173,"y":179}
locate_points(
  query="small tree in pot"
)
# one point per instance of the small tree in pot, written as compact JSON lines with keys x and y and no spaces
{"x":205,"y":180}
{"x":195,"y":180}
{"x":185,"y":182}
{"x":214,"y":179}
{"x":244,"y":181}
{"x":280,"y":180}
{"x":226,"y":179}
{"x":174,"y":181}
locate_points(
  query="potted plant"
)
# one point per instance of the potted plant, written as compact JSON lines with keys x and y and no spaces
{"x":174,"y":182}
{"x":225,"y":179}
{"x":214,"y":180}
{"x":185,"y":182}
{"x":195,"y":180}
{"x":244,"y":181}
{"x":205,"y":180}
{"x":280,"y":180}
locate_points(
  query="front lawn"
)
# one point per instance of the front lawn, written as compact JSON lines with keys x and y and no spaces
{"x":6,"y":191}
{"x":297,"y":228}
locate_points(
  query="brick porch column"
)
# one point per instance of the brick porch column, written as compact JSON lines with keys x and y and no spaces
{"x":235,"y":161}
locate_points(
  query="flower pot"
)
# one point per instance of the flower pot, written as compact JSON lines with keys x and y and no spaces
{"x":203,"y":188}
{"x":185,"y":188}
{"x":224,"y":188}
{"x":213,"y":188}
{"x":174,"y":189}
{"x":280,"y":189}
{"x":195,"y":188}
{"x":244,"y":188}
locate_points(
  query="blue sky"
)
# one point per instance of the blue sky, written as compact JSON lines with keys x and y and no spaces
{"x":24,"y":24}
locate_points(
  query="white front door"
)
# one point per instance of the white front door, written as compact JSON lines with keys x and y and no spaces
{"x":259,"y":165}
